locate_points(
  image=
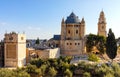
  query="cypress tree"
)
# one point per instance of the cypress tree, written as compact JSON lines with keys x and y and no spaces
{"x":37,"y":41}
{"x":111,"y":45}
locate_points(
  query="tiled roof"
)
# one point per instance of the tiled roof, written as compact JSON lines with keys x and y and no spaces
{"x":56,"y":37}
{"x":72,"y":19}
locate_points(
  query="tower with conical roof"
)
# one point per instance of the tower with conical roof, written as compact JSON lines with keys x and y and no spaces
{"x":72,"y":35}
{"x":102,"y":24}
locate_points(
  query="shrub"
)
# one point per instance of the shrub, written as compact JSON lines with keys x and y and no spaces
{"x":6,"y":73}
{"x":52,"y":72}
{"x":43,"y":69}
{"x":104,"y":70}
{"x":109,"y":75}
{"x":116,"y":69}
{"x":93,"y":57}
{"x":86,"y":74}
{"x":68,"y":73}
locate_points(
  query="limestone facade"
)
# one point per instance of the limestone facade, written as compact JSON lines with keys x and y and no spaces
{"x":14,"y":50}
{"x":72,"y":41}
{"x":47,"y":53}
{"x":102,"y":24}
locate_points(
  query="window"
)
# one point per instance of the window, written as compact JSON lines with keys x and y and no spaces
{"x":70,"y":43}
{"x":67,"y":43}
{"x":69,"y":31}
{"x":76,"y":31}
{"x":78,"y":43}
{"x":75,"y":43}
{"x":11,"y":38}
{"x":22,"y":38}
{"x":76,"y":25}
{"x":102,"y":27}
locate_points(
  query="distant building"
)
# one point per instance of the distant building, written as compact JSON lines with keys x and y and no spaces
{"x":46,"y":53}
{"x":72,"y":36}
{"x":102,"y":25}
{"x":14,"y":50}
{"x":31,"y":43}
{"x":54,"y":42}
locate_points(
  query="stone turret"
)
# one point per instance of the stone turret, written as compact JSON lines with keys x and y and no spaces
{"x":102,"y":24}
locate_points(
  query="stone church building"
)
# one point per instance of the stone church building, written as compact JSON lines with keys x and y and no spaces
{"x":72,"y":36}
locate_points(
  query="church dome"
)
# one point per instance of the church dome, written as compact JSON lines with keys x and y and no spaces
{"x":72,"y":19}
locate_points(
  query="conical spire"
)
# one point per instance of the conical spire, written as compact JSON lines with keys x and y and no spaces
{"x":63,"y":20}
{"x":83,"y":21}
{"x":102,"y":17}
{"x":102,"y":14}
{"x":72,"y":18}
{"x":72,"y":14}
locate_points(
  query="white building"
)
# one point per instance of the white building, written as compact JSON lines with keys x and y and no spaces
{"x":14,"y":50}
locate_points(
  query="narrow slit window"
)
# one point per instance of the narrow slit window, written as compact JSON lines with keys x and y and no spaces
{"x":69,"y":31}
{"x":76,"y":31}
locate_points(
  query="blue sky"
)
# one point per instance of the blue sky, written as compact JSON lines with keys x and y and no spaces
{"x":42,"y":18}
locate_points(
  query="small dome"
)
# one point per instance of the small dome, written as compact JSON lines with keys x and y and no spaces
{"x":72,"y":19}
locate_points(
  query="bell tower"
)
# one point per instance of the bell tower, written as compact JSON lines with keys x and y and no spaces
{"x":102,"y":24}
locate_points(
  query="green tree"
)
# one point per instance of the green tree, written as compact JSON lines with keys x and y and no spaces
{"x":111,"y":45}
{"x":21,"y":72}
{"x":93,"y":57}
{"x":33,"y":70}
{"x":104,"y":71}
{"x":52,"y":72}
{"x":6,"y":73}
{"x":90,"y":42}
{"x":95,"y":40}
{"x":43,"y":69}
{"x":37,"y":61}
{"x":101,"y":44}
{"x":86,"y":74}
{"x":116,"y":69}
{"x":37,"y":41}
{"x":68,"y":73}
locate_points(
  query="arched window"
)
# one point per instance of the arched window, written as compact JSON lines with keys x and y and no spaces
{"x":102,"y":27}
{"x":22,"y":38}
{"x":69,"y":31}
{"x":76,"y":31}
